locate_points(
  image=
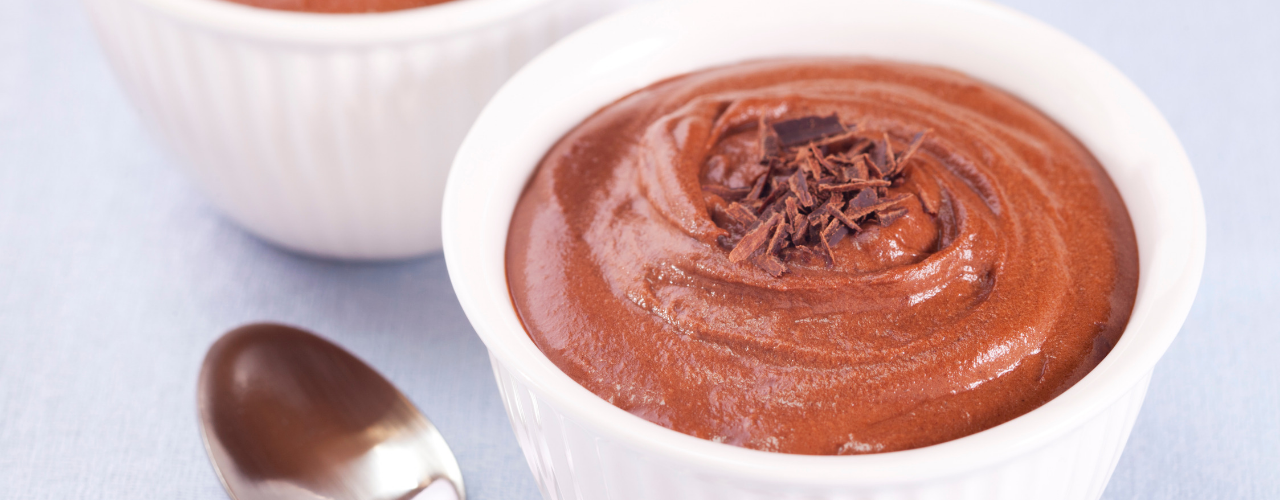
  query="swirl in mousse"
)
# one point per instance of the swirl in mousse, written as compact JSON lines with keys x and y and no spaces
{"x":822,"y":256}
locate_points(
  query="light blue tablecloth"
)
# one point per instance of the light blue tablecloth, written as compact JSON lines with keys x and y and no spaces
{"x":115,"y":275}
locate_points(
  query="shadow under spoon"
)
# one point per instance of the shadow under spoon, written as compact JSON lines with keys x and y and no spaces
{"x":288,"y":415}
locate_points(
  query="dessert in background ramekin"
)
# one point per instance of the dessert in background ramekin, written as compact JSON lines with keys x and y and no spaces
{"x":340,"y":6}
{"x":580,"y":446}
{"x":328,"y":134}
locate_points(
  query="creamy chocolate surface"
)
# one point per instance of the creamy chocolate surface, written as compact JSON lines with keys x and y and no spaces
{"x":340,"y":6}
{"x":1010,"y":275}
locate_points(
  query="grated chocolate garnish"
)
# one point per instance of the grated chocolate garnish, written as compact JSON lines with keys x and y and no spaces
{"x":824,"y":181}
{"x":801,"y":131}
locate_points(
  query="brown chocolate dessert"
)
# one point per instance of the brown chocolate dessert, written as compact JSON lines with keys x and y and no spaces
{"x":822,"y":256}
{"x":340,"y":6}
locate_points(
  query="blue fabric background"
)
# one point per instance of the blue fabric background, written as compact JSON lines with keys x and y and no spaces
{"x":115,"y":275}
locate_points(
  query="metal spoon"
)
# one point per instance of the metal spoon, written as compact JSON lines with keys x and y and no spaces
{"x":288,"y":415}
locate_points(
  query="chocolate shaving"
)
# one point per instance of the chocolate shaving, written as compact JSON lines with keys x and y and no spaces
{"x":779,"y":238}
{"x":768,"y":142}
{"x":873,"y":171}
{"x":877,"y":162}
{"x":928,"y":202}
{"x":798,"y":222}
{"x":740,"y":214}
{"x":890,"y":162}
{"x":802,"y":256}
{"x":852,"y":186}
{"x":834,"y":204}
{"x":842,"y":218}
{"x":860,"y":170}
{"x":816,"y":225}
{"x":801,"y":189}
{"x":890,"y":216}
{"x":859,"y":213}
{"x":834,"y":232}
{"x":771,"y":264}
{"x":809,"y":163}
{"x":822,"y":161}
{"x":901,"y":160}
{"x":753,"y":241}
{"x":807,"y":129}
{"x":842,"y":173}
{"x":859,"y":147}
{"x":758,"y":189}
{"x":823,"y":181}
{"x":839,"y":141}
{"x":864,"y":199}
{"x":728,"y":193}
{"x":769,"y":211}
{"x":825,"y":239}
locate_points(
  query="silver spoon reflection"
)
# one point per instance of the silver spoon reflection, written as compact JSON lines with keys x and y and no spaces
{"x":288,"y":415}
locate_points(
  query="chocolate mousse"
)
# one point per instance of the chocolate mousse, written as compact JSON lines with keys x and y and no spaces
{"x":340,"y":6}
{"x":822,"y":256}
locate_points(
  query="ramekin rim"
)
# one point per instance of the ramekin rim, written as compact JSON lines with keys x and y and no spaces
{"x":1015,"y":437}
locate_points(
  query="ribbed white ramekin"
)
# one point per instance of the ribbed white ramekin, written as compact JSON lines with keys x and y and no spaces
{"x":329,"y":134}
{"x":581,"y":447}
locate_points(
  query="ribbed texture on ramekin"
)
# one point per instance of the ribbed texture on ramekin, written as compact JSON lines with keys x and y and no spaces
{"x":571,"y":462}
{"x":328,"y":150}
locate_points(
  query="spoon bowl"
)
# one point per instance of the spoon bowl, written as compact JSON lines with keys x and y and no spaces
{"x":288,"y":415}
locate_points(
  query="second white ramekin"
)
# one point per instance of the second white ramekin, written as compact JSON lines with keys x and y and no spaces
{"x":581,"y":447}
{"x":328,"y":134}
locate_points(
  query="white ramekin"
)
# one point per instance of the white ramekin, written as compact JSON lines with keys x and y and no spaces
{"x":581,"y":447}
{"x":328,"y":134}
